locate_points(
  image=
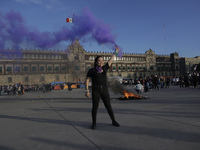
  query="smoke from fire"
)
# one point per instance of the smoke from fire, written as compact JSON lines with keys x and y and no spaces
{"x":117,"y":87}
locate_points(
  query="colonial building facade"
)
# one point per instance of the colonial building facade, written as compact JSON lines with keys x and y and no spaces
{"x":45,"y":66}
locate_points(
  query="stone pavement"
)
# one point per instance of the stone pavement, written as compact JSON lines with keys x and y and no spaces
{"x":169,"y":120}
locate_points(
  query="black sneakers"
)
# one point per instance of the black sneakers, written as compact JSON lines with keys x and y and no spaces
{"x":93,"y":126}
{"x":114,"y":123}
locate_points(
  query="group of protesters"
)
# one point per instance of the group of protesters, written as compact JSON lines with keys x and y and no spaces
{"x":149,"y":83}
{"x":20,"y":89}
{"x":16,"y":89}
{"x":144,"y":84}
{"x":155,"y":82}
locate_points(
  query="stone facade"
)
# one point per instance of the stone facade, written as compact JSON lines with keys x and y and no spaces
{"x":45,"y":66}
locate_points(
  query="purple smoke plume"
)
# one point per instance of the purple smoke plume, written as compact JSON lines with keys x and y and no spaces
{"x":14,"y":31}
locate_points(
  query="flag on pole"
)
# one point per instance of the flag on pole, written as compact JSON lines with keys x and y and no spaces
{"x":69,"y":20}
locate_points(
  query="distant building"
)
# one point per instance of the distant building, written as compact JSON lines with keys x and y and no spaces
{"x":45,"y":66}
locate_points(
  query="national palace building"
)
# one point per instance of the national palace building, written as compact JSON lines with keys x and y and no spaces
{"x":46,"y":66}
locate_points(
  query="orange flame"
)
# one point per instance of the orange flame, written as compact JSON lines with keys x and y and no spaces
{"x":128,"y":94}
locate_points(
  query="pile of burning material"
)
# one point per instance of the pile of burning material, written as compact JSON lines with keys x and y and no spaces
{"x":118,"y":88}
{"x":130,"y":96}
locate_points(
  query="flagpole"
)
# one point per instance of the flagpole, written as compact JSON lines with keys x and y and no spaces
{"x":74,"y":26}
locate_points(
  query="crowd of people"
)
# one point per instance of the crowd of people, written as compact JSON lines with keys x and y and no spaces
{"x":16,"y":89}
{"x":20,"y":89}
{"x":141,"y":84}
{"x":155,"y":82}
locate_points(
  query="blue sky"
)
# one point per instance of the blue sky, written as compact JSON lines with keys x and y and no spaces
{"x":138,"y":24}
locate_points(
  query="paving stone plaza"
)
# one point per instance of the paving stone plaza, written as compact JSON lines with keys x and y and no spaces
{"x":169,"y":120}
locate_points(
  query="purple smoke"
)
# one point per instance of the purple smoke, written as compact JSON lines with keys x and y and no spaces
{"x":88,"y":24}
{"x":14,"y":31}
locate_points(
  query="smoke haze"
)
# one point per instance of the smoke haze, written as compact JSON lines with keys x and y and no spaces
{"x":14,"y":32}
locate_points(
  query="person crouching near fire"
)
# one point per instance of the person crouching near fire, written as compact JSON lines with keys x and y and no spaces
{"x":100,"y":87}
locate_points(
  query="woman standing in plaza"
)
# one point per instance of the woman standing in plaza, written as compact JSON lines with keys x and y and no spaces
{"x":100,"y":87}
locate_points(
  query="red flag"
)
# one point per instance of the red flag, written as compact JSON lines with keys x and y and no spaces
{"x":70,"y":20}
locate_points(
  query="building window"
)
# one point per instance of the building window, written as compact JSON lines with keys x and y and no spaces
{"x":24,"y":56}
{"x":59,"y":56}
{"x":45,"y":57}
{"x":151,"y":68}
{"x":33,"y":68}
{"x":49,"y":68}
{"x":135,"y":75}
{"x":161,"y":67}
{"x":41,"y":57}
{"x":9,"y":69}
{"x":56,"y":68}
{"x":76,"y":68}
{"x":36,"y":56}
{"x":17,"y":69}
{"x":42,"y":78}
{"x":26,"y":79}
{"x":25,"y":68}
{"x":10,"y":56}
{"x":42,"y":68}
{"x":32,"y":56}
{"x":124,"y":67}
{"x":63,"y":68}
{"x":9,"y":79}
{"x":177,"y":68}
{"x":57,"y":78}
{"x":6,"y":56}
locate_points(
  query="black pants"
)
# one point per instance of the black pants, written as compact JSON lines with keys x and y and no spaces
{"x":101,"y":91}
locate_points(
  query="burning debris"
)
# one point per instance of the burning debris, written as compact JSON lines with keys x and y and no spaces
{"x":126,"y":95}
{"x":130,"y":96}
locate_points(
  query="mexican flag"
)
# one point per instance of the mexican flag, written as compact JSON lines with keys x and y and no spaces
{"x":69,"y":20}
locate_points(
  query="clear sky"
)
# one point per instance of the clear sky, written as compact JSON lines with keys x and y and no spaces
{"x":165,"y":26}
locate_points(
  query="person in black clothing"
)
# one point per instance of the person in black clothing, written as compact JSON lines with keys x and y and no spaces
{"x":155,"y":82}
{"x":195,"y":79}
{"x":186,"y":81}
{"x":69,"y":87}
{"x":100,"y":87}
{"x":167,"y":82}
